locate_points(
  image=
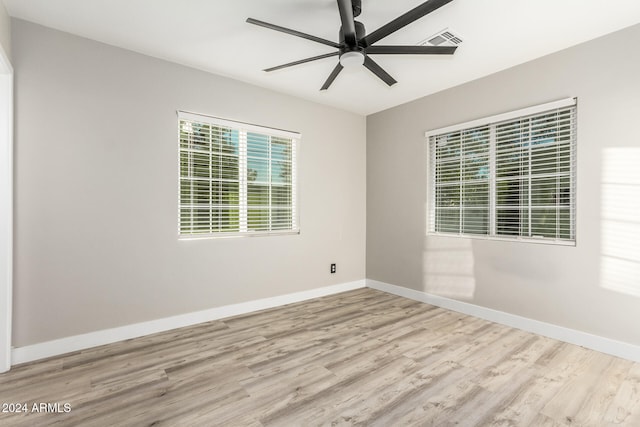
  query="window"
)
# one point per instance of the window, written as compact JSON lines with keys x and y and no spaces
{"x":509,"y":176}
{"x":235,"y":178}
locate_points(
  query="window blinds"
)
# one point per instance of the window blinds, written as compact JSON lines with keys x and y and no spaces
{"x":510,"y":176}
{"x":462,"y":181}
{"x":534,"y":163}
{"x":235,"y":178}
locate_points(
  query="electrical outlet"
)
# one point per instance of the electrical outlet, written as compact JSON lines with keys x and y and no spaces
{"x":333,"y":268}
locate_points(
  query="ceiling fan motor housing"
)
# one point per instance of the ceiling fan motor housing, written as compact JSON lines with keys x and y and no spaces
{"x":360,"y":33}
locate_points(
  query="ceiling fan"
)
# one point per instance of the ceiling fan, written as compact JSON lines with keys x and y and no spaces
{"x":355,"y":45}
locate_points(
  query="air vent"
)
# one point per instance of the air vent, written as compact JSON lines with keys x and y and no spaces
{"x":442,"y":38}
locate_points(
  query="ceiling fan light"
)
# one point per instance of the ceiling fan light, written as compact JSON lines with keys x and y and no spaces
{"x":351,"y":60}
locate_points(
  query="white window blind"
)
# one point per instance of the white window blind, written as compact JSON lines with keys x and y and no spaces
{"x":235,"y":178}
{"x":462,"y":181}
{"x":507,"y":176}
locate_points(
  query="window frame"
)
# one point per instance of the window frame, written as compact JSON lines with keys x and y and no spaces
{"x":243,"y":129}
{"x":492,"y":122}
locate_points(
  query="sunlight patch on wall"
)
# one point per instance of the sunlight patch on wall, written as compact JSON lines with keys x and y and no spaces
{"x":448,"y":267}
{"x":620,"y":212}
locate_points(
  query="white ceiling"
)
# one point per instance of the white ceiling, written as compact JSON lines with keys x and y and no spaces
{"x":212,"y":35}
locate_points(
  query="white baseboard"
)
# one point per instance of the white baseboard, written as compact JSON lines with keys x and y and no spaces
{"x":572,"y":336}
{"x":60,"y":346}
{"x":80,"y":342}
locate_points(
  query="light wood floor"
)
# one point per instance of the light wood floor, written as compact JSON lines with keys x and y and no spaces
{"x":358,"y":358}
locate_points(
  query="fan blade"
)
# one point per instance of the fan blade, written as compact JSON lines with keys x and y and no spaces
{"x":332,"y":77}
{"x":292,"y":32}
{"x":348,"y":25}
{"x":402,"y":21}
{"x":378,"y":71}
{"x":411,"y":50}
{"x":302,"y":61}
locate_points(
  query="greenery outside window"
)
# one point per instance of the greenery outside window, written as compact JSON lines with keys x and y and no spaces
{"x":510,"y":176}
{"x":235,"y":178}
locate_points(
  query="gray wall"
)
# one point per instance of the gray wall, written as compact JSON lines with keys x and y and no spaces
{"x":593,"y":287}
{"x":96,"y":191}
{"x":5,"y":30}
{"x":6,"y":189}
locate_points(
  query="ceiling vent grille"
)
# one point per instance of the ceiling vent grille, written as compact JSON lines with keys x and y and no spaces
{"x":442,"y":38}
